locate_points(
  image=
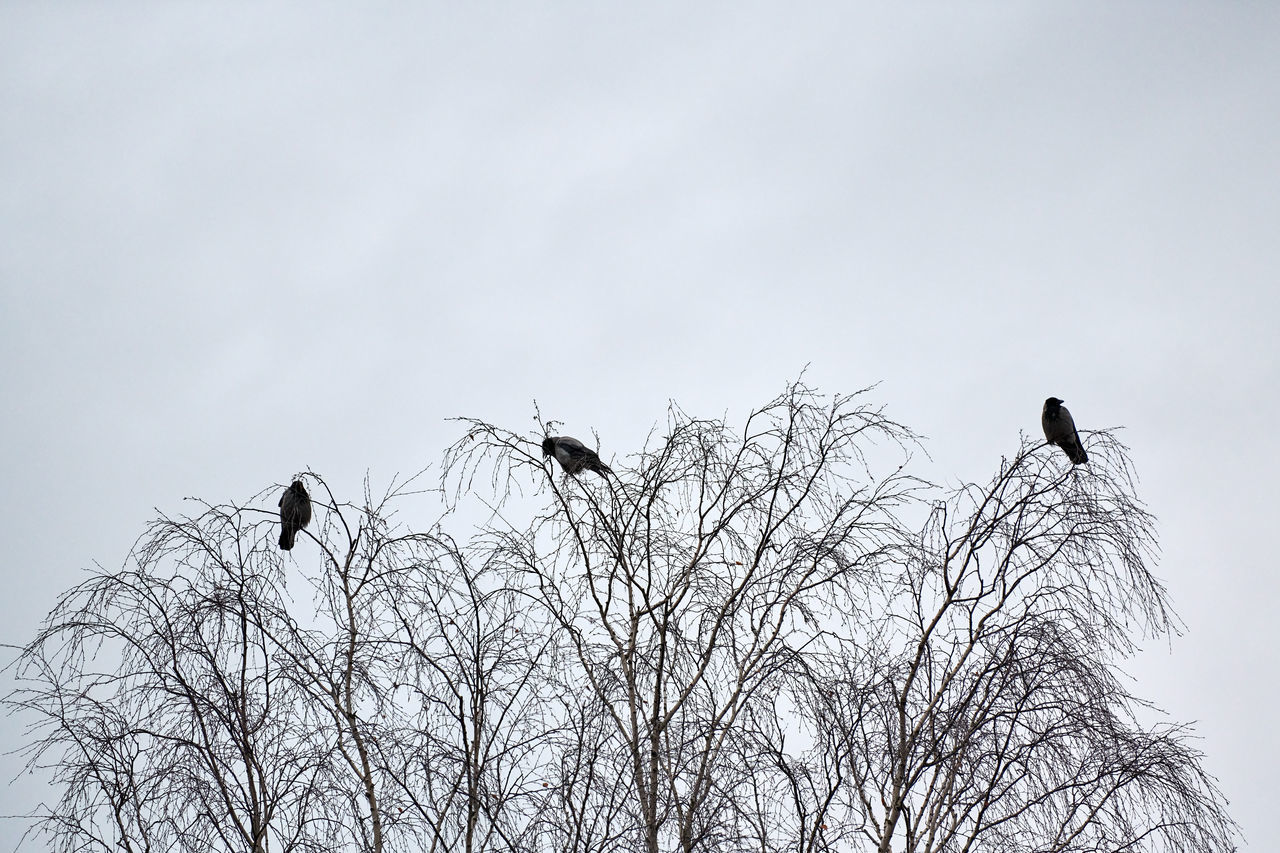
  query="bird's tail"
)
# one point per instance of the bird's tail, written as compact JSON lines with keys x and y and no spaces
{"x":1075,"y":450}
{"x":286,"y":537}
{"x":600,"y":468}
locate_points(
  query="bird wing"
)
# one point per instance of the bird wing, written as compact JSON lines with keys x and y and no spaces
{"x":571,"y":445}
{"x":1076,"y":451}
{"x":570,"y":450}
{"x":574,"y":456}
{"x":1059,"y":429}
{"x":304,"y":509}
{"x":1065,"y":419}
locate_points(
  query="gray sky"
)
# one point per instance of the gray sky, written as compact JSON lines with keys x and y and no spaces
{"x":236,"y":242}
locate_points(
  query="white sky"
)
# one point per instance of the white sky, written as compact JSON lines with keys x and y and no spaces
{"x":239,"y":241}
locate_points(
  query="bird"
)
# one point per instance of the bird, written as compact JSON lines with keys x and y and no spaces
{"x":1060,"y":429}
{"x":295,"y":513}
{"x":573,"y":455}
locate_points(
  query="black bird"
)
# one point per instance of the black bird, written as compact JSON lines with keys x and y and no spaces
{"x":573,"y":455}
{"x":1059,"y":429}
{"x":295,"y":513}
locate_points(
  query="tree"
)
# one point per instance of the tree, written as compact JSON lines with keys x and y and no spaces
{"x":187,"y":703}
{"x":765,"y":638}
{"x":161,"y":706}
{"x":989,"y":714}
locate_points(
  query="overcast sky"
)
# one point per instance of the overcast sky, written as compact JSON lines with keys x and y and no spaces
{"x":238,"y":241}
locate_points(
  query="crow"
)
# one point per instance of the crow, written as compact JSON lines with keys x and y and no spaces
{"x":573,"y":455}
{"x":1059,"y":429}
{"x":295,"y":513}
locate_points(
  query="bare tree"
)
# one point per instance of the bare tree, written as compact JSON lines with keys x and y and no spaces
{"x":773,"y":657}
{"x":690,"y":590}
{"x":163,"y":710}
{"x":187,"y":703}
{"x":473,"y":690}
{"x":989,"y":713}
{"x":763,"y":638}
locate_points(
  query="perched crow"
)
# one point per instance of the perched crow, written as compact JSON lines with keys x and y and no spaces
{"x":1059,"y":429}
{"x":295,"y":513}
{"x":573,"y":455}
